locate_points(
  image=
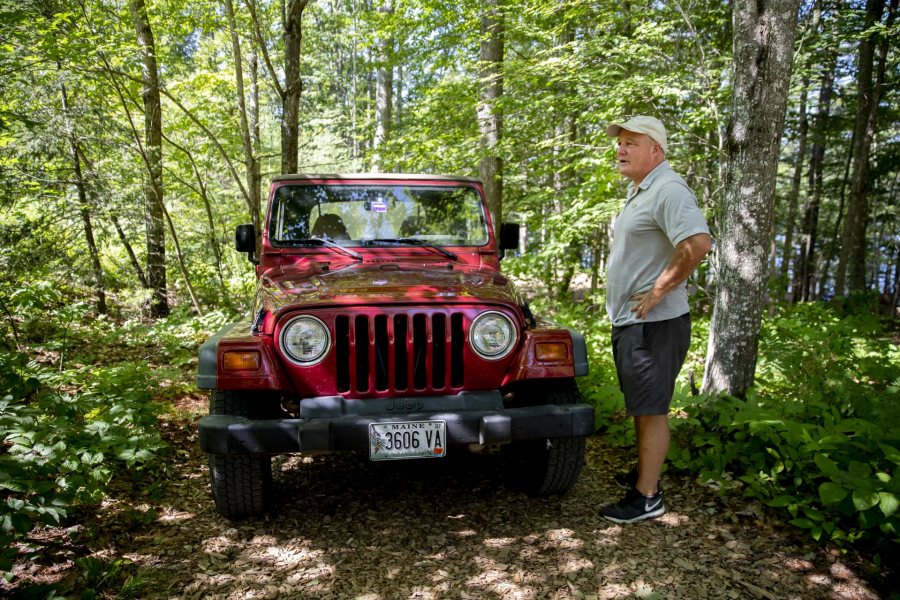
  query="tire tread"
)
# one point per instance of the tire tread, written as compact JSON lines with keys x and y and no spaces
{"x":241,"y":483}
{"x":550,"y":466}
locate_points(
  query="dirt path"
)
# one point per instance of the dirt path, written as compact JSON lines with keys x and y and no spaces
{"x":347,"y":528}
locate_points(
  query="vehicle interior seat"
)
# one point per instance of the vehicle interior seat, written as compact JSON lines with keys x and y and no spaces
{"x":330,"y":226}
{"x":412,"y":226}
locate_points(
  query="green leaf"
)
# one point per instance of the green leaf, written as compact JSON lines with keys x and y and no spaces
{"x":859,"y":469}
{"x":831,"y":493}
{"x":813,"y":514}
{"x":781,"y":501}
{"x":864,"y":500}
{"x":827,"y":466}
{"x":21,"y":523}
{"x":802,"y":523}
{"x":888,"y":503}
{"x":891,"y":453}
{"x":870,"y":518}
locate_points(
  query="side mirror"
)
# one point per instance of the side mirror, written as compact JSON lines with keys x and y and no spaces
{"x":509,"y":236}
{"x":245,"y":241}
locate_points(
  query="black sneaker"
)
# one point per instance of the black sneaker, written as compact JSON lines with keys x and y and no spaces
{"x":628,"y":480}
{"x":635,"y":507}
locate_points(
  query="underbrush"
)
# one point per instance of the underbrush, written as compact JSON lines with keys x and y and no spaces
{"x":65,"y":433}
{"x":816,"y":437}
{"x":81,"y":398}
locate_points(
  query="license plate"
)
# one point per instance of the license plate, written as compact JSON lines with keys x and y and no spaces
{"x":417,"y":439}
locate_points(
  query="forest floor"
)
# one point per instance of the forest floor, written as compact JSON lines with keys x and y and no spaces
{"x":348,"y":528}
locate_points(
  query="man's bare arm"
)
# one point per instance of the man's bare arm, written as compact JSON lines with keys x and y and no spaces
{"x":688,"y":254}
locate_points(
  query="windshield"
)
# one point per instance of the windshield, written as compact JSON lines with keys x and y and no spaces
{"x":357,"y":214}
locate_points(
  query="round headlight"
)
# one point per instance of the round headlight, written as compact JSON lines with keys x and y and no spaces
{"x":305,"y":340}
{"x":492,"y":335}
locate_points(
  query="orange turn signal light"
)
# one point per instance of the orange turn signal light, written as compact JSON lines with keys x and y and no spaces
{"x":241,"y":361}
{"x":551,"y":351}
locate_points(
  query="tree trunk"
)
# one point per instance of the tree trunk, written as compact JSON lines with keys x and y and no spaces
{"x":153,"y":186}
{"x":354,"y":100}
{"x":794,"y":195}
{"x":804,"y":267}
{"x":851,"y":269}
{"x":490,"y":119}
{"x":833,"y":248}
{"x":895,"y":303}
{"x":398,"y":98}
{"x":256,"y":138}
{"x":874,"y":264}
{"x":84,"y":205}
{"x":203,"y":193}
{"x":565,"y":136}
{"x":893,"y":248}
{"x":290,"y":101}
{"x":250,"y":166}
{"x":181,"y":265}
{"x":763,"y":53}
{"x":12,"y":323}
{"x":132,"y":258}
{"x":384,"y":88}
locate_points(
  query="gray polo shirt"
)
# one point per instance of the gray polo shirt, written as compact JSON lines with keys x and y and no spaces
{"x":658,"y":215}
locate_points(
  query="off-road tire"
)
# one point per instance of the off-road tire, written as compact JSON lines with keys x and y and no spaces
{"x":253,"y":405}
{"x":241,"y":483}
{"x":548,"y":466}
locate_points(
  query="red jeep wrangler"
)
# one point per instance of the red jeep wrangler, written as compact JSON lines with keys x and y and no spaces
{"x":383,"y":324}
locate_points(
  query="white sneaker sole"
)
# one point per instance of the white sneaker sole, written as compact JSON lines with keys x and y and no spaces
{"x":649,"y":515}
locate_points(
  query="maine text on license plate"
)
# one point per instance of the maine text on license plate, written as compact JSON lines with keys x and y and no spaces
{"x":418,"y":439}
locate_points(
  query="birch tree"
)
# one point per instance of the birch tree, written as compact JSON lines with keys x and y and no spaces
{"x":764,"y":33}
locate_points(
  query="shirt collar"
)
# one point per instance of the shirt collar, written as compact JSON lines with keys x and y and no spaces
{"x":632,"y":190}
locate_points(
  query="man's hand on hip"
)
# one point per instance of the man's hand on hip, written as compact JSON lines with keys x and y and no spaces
{"x":688,"y":254}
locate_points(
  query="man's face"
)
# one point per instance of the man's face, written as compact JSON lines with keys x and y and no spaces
{"x":638,"y":155}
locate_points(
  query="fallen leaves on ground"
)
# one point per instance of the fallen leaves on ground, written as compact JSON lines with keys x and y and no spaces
{"x":431,"y":529}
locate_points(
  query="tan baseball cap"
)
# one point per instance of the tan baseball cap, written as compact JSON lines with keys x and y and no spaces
{"x":642,"y":124}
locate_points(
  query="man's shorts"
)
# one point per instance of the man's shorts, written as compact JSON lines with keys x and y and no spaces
{"x":648,"y":358}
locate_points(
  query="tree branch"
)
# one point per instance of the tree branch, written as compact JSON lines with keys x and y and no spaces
{"x":251,"y":4}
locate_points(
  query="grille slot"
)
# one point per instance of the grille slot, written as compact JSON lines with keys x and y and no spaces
{"x":406,"y":353}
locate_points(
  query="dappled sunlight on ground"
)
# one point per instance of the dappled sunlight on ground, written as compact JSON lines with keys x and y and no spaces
{"x":345,"y":528}
{"x":173,"y":515}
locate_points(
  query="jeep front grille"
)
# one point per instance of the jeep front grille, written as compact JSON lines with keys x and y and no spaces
{"x":400,"y":352}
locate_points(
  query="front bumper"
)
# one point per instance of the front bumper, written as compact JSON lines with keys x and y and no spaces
{"x":330,"y":424}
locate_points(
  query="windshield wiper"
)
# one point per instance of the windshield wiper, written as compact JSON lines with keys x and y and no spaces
{"x":317,"y":241}
{"x":415,"y":242}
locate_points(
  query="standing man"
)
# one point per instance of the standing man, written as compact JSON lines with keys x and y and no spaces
{"x":659,"y":238}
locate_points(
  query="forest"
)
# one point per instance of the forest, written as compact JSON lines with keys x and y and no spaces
{"x":136,"y":134}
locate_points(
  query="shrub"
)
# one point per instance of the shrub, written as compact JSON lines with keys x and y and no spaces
{"x":63,"y":436}
{"x":811,"y":437}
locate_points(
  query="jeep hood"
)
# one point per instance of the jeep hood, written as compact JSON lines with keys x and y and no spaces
{"x":305,"y":285}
